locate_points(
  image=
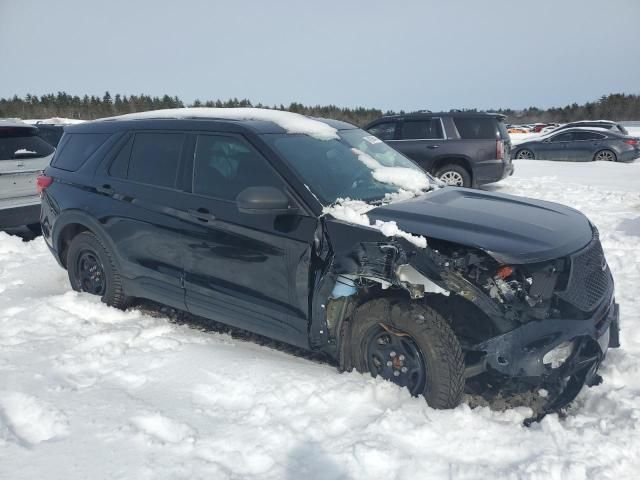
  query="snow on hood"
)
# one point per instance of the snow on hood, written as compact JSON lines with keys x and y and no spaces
{"x":291,"y":122}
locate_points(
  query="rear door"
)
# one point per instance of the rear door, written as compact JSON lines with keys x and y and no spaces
{"x":422,"y":140}
{"x":22,"y":156}
{"x":246,"y":270}
{"x":585,"y":145}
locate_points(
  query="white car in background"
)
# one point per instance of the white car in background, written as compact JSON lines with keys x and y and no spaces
{"x":23,"y":155}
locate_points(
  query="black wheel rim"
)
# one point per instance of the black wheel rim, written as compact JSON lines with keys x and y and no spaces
{"x":90,"y":273}
{"x":395,"y":356}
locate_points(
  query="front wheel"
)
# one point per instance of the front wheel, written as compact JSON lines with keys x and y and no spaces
{"x":454,"y":175}
{"x":91,"y":269}
{"x":605,"y":156}
{"x":410,"y":345}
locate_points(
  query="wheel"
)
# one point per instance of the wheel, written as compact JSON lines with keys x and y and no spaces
{"x":525,"y":154}
{"x":91,"y":269}
{"x":454,"y":175}
{"x":605,"y":156}
{"x":410,"y":345}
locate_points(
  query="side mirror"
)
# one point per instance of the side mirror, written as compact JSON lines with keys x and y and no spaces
{"x":266,"y":200}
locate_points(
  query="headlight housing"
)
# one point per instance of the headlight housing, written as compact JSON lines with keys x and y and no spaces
{"x":556,"y":357}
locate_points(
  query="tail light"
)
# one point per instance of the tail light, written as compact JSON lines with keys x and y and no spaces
{"x":42,"y":182}
{"x":631,"y":141}
{"x":499,"y":149}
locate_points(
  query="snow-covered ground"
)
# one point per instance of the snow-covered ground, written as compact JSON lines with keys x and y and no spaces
{"x":87,"y":391}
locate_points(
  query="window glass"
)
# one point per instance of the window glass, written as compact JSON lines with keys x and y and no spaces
{"x":384,"y":131}
{"x":587,"y":136}
{"x":23,"y":147}
{"x":224,"y":166}
{"x":421,"y":129}
{"x":77,"y":148}
{"x":563,"y":137}
{"x":477,"y":128}
{"x":155,"y":158}
{"x":120,"y":164}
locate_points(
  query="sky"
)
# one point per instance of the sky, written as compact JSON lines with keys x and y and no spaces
{"x":394,"y":54}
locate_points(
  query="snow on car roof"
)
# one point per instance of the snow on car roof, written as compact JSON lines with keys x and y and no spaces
{"x":53,"y":121}
{"x":289,"y":121}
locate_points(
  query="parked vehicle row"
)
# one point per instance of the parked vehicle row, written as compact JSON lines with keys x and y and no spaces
{"x":232,"y":215}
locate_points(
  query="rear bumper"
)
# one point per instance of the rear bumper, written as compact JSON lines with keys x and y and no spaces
{"x":489,"y":171}
{"x":18,"y":216}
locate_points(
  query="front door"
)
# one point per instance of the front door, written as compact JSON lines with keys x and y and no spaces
{"x":246,"y":270}
{"x":556,"y":148}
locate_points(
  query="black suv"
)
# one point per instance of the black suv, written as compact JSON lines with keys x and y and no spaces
{"x":238,"y":215}
{"x":461,"y":149}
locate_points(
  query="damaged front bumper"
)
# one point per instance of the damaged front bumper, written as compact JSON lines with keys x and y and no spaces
{"x":519,"y":354}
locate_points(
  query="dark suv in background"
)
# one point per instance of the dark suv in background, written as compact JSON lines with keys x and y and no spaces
{"x":460,"y":148}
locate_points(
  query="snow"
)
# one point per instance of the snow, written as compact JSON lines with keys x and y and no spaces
{"x":291,"y":122}
{"x":87,"y":391}
{"x":54,"y":121}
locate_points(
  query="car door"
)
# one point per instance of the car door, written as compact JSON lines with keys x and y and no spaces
{"x":246,"y":270}
{"x":585,"y":145}
{"x":556,"y":147}
{"x":141,"y":207}
{"x":22,"y":156}
{"x":422,"y":140}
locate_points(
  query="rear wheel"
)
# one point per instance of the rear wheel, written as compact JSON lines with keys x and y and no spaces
{"x":525,"y":154}
{"x":605,"y":156}
{"x":91,"y":269}
{"x":410,"y":345}
{"x":454,"y":175}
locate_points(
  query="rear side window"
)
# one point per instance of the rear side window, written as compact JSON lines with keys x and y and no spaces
{"x":563,"y":137}
{"x":477,"y":128}
{"x":224,"y":166}
{"x":23,"y":146}
{"x":421,"y":129}
{"x":587,"y":136}
{"x":384,"y":131}
{"x":77,"y":148}
{"x":155,"y":158}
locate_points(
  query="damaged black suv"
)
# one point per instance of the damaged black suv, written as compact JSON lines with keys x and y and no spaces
{"x":315,"y":233}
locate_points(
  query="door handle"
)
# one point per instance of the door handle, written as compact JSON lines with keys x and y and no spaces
{"x":106,"y":189}
{"x":201,"y":214}
{"x":433,"y":147}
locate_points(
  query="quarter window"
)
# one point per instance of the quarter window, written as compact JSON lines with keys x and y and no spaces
{"x":384,"y":131}
{"x":224,"y":166}
{"x":77,"y":148}
{"x":421,"y":129}
{"x":155,"y":158}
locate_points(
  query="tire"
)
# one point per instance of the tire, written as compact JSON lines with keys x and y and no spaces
{"x":409,"y":324}
{"x":525,"y":154}
{"x":605,"y":156}
{"x":91,"y":269}
{"x":454,"y":175}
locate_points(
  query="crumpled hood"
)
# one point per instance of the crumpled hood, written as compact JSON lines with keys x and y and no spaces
{"x":513,"y":229}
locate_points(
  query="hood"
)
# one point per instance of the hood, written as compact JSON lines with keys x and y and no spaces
{"x":512,"y":229}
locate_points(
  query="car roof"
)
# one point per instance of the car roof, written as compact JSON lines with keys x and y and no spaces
{"x":267,"y":121}
{"x":11,"y":123}
{"x":608,"y":122}
{"x":427,"y":114}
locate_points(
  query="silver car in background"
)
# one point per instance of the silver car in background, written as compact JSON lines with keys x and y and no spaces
{"x":22,"y":156}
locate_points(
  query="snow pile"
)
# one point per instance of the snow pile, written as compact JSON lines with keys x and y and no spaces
{"x":87,"y":391}
{"x":291,"y":122}
{"x":54,"y":121}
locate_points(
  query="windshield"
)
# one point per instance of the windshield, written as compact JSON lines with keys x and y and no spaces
{"x":358,"y":166}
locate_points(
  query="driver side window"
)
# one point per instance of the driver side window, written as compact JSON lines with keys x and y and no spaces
{"x":226,"y":165}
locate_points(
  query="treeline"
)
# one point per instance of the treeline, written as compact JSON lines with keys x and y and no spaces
{"x":613,"y":107}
